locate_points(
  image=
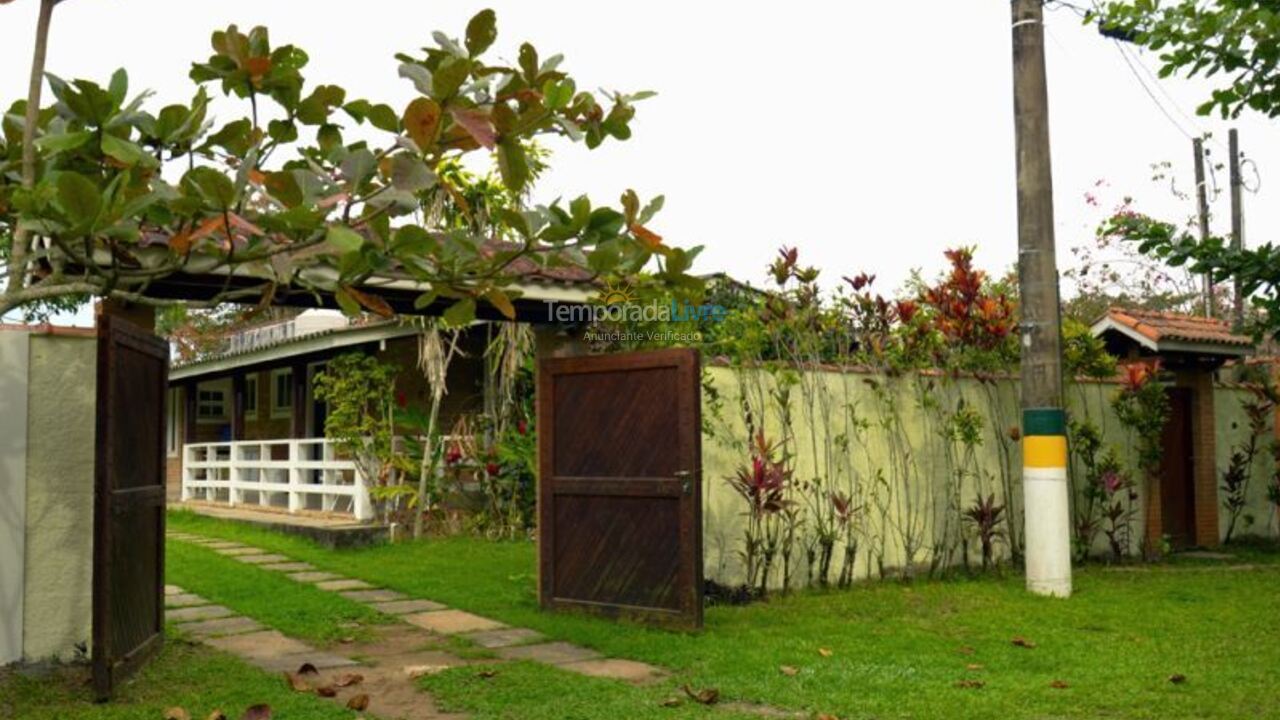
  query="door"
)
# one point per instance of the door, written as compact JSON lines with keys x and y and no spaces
{"x":619,"y":491}
{"x":1177,"y":491}
{"x":129,"y":503}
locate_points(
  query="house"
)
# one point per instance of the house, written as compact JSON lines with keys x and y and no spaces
{"x":1185,"y":506}
{"x":245,"y":427}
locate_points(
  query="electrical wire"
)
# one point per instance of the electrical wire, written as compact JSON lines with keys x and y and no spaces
{"x":1160,"y":106}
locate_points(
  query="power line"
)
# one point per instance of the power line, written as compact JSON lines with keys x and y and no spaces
{"x":1137,"y":76}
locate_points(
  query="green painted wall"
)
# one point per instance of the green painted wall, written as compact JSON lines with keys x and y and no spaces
{"x":59,"y":506}
{"x":879,"y":439}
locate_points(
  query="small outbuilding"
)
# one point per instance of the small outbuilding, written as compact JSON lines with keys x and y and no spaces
{"x":1192,"y":349}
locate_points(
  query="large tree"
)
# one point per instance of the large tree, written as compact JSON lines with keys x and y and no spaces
{"x":103,"y":194}
{"x":1237,"y":44}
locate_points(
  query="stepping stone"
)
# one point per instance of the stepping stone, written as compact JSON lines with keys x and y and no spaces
{"x":237,"y":552}
{"x":403,"y":607}
{"x":222,"y":545}
{"x":191,"y":614}
{"x":223,"y":626}
{"x":288,"y":567}
{"x":262,"y":559}
{"x":506,"y":637}
{"x":184,"y":600}
{"x":615,"y":669}
{"x":553,"y":653}
{"x":291,"y":663}
{"x":373,"y":596}
{"x":314,"y":576}
{"x":452,"y":622}
{"x":344,"y":584}
{"x":173,"y":590}
{"x":267,"y":644}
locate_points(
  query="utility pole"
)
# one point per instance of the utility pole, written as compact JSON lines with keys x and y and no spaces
{"x":1044,"y":441}
{"x":1237,"y":222}
{"x":1202,"y":203}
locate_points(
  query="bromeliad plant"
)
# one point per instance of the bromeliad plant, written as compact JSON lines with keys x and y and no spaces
{"x":1259,"y":407}
{"x":764,"y":484}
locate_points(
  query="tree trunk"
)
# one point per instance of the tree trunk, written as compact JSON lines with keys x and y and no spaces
{"x":18,"y":254}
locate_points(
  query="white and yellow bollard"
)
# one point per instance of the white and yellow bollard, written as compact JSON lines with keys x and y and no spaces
{"x":1046,"y":501}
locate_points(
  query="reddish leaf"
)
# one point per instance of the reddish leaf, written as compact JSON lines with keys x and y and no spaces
{"x":478,"y":126}
{"x":257,"y":712}
{"x":1022,"y":642}
{"x":181,"y":243}
{"x":1177,"y":678}
{"x":706,"y":696}
{"x":1059,"y":685}
{"x":297,"y":683}
{"x":258,"y":66}
{"x":422,"y":122}
{"x":359,"y":703}
{"x":327,"y":691}
{"x":348,"y":679}
{"x":651,"y":239}
{"x":372,"y":303}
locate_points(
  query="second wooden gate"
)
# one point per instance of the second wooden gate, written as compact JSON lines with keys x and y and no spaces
{"x":619,"y":490}
{"x":129,"y":503}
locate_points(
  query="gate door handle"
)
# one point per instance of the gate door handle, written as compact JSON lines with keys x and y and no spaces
{"x":686,"y":481}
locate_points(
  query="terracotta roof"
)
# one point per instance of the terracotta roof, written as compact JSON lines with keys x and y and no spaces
{"x":1165,"y":326}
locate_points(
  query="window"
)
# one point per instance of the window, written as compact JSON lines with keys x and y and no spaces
{"x":211,"y":404}
{"x":282,"y":393}
{"x":251,"y":396}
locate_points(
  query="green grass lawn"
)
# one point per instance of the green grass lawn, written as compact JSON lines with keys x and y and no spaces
{"x":311,"y":614}
{"x":895,"y":650}
{"x":195,"y":678}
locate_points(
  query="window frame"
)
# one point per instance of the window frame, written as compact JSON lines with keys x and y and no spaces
{"x":279,"y":411}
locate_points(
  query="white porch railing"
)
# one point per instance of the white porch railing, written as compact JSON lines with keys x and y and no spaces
{"x":296,"y":475}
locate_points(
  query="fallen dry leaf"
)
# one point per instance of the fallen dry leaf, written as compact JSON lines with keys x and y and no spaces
{"x":971,"y":684}
{"x":789,"y":670}
{"x":671,"y":702}
{"x":824,"y":652}
{"x":417,"y":671}
{"x":1177,"y":678}
{"x":825,"y":716}
{"x":217,"y":715}
{"x":965,"y":650}
{"x":308,"y":669}
{"x":176,"y":713}
{"x":348,"y":679}
{"x":1059,"y":685}
{"x":297,"y":683}
{"x":486,"y":674}
{"x":327,"y":691}
{"x":706,"y":696}
{"x":1022,"y":642}
{"x":347,"y":640}
{"x":257,"y":712}
{"x":359,"y":703}
{"x":973,"y":666}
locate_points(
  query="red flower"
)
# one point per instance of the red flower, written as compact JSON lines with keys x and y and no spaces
{"x":492,"y":468}
{"x":401,"y":399}
{"x":453,"y":455}
{"x":522,"y":427}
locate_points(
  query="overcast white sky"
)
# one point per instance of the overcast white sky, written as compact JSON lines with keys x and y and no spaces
{"x":870,"y":135}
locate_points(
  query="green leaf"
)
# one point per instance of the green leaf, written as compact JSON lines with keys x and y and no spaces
{"x":424,"y":300}
{"x":210,"y":185}
{"x":124,"y":151}
{"x":412,"y":241}
{"x":461,"y":313}
{"x":449,"y":76}
{"x":383,"y":117}
{"x":349,"y":305}
{"x":411,"y":174}
{"x":79,"y":198}
{"x":344,"y":239}
{"x":558,"y":94}
{"x":119,"y":86}
{"x":55,"y":144}
{"x":481,"y":32}
{"x":501,"y":301}
{"x":529,"y":62}
{"x":513,"y":164}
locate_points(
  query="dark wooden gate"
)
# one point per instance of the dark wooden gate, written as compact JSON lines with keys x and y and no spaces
{"x":1177,"y":490}
{"x":128,"y":542}
{"x":620,"y":492}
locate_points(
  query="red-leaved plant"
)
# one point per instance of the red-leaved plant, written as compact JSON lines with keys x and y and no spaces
{"x":763,"y":483}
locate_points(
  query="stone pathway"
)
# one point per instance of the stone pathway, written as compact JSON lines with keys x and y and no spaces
{"x":510,"y":643}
